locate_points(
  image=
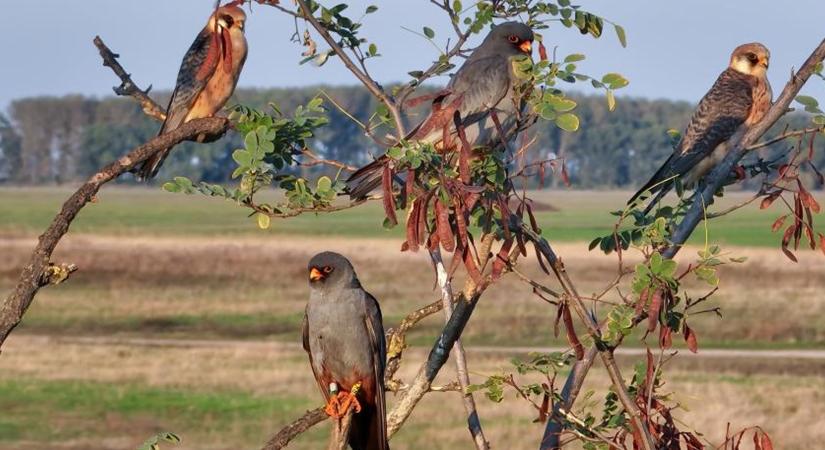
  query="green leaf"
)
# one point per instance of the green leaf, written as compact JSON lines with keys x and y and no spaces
{"x":371,"y":9}
{"x":373,"y":49}
{"x":562,"y":104}
{"x":457,"y":6}
{"x":611,"y":100}
{"x":429,"y":32}
{"x":568,"y":122}
{"x":170,"y":186}
{"x":621,"y":35}
{"x":615,"y":80}
{"x":263,"y":221}
{"x":807,"y":101}
{"x":324,"y":183}
{"x":575,"y":57}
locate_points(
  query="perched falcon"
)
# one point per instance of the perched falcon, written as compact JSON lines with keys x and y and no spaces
{"x":207,"y":76}
{"x":740,"y":97}
{"x":485,"y":84}
{"x":343,"y":335}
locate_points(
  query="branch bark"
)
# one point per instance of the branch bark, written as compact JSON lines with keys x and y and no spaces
{"x":289,"y":432}
{"x":127,"y":86}
{"x":16,"y":304}
{"x":460,"y":356}
{"x":696,"y":213}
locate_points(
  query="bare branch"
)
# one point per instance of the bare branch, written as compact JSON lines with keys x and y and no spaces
{"x":127,"y":86}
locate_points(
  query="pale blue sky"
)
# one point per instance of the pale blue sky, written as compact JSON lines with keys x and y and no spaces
{"x":676,"y":48}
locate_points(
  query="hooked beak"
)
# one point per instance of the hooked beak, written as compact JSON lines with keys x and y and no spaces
{"x":526,"y":46}
{"x":315,"y":274}
{"x":764,"y":63}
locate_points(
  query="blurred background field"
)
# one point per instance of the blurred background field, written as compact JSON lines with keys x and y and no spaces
{"x":184,"y":316}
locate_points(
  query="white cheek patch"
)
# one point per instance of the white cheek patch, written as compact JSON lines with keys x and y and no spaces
{"x":741,"y":66}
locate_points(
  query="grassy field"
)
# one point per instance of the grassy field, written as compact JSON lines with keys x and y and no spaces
{"x":578,"y":216}
{"x":158,"y":265}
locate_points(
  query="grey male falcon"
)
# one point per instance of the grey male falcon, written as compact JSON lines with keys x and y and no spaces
{"x":343,"y":335}
{"x":480,"y":92}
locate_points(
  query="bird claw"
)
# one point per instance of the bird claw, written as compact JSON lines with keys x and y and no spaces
{"x":338,"y":405}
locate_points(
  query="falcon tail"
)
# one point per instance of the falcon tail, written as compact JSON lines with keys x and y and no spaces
{"x":366,"y":179}
{"x":366,"y":432}
{"x":149,"y":168}
{"x":659,"y":184}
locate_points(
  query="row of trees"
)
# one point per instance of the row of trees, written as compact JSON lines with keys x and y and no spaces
{"x":47,"y":140}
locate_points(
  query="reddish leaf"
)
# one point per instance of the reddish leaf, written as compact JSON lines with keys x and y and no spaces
{"x":460,"y":222}
{"x":412,"y":227}
{"x":822,"y":242}
{"x":766,"y":442}
{"x":445,"y":232}
{"x":690,"y":339}
{"x":757,"y":443}
{"x":650,"y":371}
{"x":665,"y":337}
{"x":786,"y":238}
{"x":777,"y":224}
{"x":545,"y":406}
{"x":809,"y":201}
{"x":782,"y":170}
{"x":389,"y":198}
{"x":564,"y":176}
{"x":653,"y":311}
{"x":465,"y":153}
{"x":472,"y":268}
{"x":542,"y":51}
{"x":559,"y":313}
{"x":571,"y":334}
{"x":642,"y":302}
{"x":501,"y":259}
{"x":740,"y":172}
{"x":541,"y":176}
{"x":768,"y":201}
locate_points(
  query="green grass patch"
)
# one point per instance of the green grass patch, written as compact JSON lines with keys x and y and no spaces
{"x":578,"y":216}
{"x":51,"y":411}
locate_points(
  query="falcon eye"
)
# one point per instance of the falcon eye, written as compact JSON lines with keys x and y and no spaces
{"x":512,"y":38}
{"x":327,"y":269}
{"x":752,"y":58}
{"x":229,"y":21}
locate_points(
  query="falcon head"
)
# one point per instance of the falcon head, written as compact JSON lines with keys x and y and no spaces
{"x":751,"y":59}
{"x":509,"y":38}
{"x":228,"y":18}
{"x":330,"y":269}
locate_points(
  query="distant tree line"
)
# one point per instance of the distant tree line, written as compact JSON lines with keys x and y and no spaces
{"x":53,"y":140}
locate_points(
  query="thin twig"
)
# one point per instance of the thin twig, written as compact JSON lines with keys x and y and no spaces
{"x":298,"y":426}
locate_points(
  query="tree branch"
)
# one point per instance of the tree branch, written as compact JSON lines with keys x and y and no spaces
{"x":437,"y":357}
{"x":127,"y":86}
{"x":473,"y":420}
{"x":289,"y":432}
{"x":16,"y":304}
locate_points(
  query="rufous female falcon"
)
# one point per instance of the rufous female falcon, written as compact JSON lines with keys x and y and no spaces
{"x":207,"y":76}
{"x":740,"y":97}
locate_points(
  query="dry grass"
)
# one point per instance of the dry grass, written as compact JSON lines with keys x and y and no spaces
{"x":791,"y":408}
{"x":255,"y":287}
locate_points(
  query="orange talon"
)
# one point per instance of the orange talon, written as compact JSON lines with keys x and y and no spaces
{"x":333,"y":406}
